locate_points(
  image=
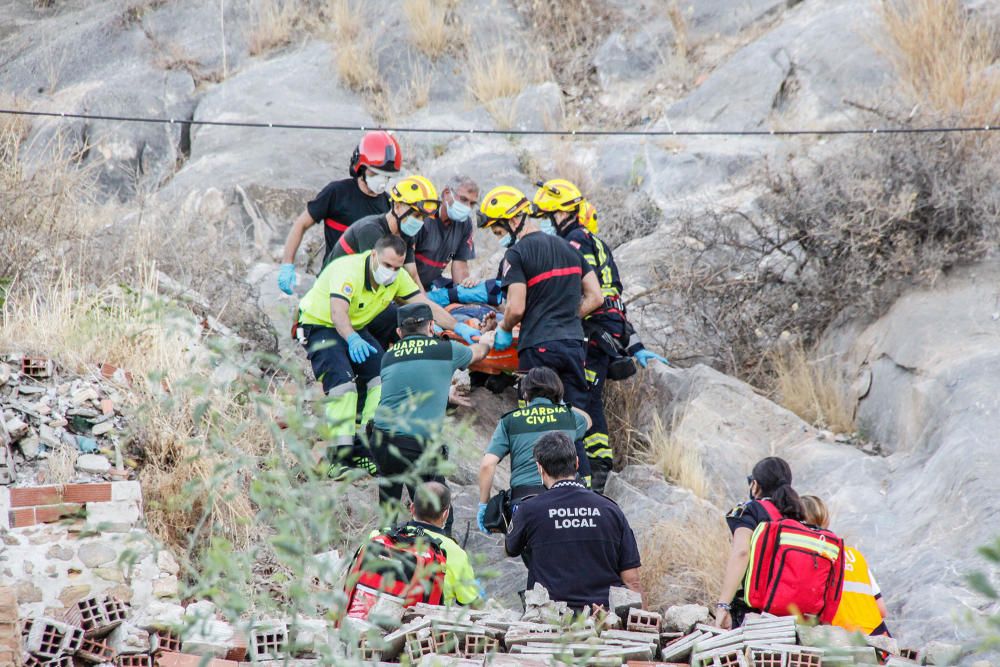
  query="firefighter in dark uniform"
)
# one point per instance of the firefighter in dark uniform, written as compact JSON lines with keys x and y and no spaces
{"x":579,"y":542}
{"x":610,"y":338}
{"x":548,"y":288}
{"x":376,"y":160}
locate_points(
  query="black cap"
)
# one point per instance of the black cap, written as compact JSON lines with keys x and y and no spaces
{"x":413,"y":313}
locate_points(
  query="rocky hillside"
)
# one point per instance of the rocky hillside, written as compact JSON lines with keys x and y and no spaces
{"x":695,"y":219}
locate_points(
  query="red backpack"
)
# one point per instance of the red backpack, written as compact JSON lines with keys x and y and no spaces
{"x":405,"y":565}
{"x":794,"y":569}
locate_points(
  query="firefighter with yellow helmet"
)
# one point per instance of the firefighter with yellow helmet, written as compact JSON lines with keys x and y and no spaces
{"x":548,"y":287}
{"x":611,"y":341}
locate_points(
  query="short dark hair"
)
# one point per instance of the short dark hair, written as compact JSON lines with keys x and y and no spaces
{"x":430,"y":501}
{"x":391,"y":242}
{"x":556,"y":453}
{"x":413,"y":328}
{"x":542,"y":382}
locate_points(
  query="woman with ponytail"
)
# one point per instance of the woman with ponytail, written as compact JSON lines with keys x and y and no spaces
{"x":770,"y":480}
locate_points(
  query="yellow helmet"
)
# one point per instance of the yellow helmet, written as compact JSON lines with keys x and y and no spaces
{"x":418,"y":192}
{"x":557,"y":194}
{"x":502,"y":204}
{"x":588,"y":216}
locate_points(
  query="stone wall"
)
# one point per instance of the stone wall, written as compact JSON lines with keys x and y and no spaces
{"x":10,"y":633}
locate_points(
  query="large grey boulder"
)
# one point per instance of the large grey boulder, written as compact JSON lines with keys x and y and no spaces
{"x":802,"y":72}
{"x":918,"y":515}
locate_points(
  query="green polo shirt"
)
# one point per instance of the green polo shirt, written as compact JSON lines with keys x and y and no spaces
{"x":348,"y":278}
{"x":416,"y":378}
{"x":520,"y":429}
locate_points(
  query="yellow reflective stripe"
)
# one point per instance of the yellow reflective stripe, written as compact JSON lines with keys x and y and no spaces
{"x":590,"y":375}
{"x":590,"y":260}
{"x":610,"y":291}
{"x":603,"y":453}
{"x":821,"y":547}
{"x":596,"y":438}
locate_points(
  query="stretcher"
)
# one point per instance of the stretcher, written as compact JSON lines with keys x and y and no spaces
{"x":496,"y":362}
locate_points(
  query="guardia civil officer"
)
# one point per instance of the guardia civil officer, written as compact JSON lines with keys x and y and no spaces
{"x":415,"y":379}
{"x":610,"y":337}
{"x":579,"y":542}
{"x":334,"y":315}
{"x":520,"y":429}
{"x":376,"y":160}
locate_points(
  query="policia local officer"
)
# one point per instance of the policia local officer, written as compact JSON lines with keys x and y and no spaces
{"x":348,"y":294}
{"x":376,"y":159}
{"x":520,"y":429}
{"x":416,"y":377}
{"x":548,"y":288}
{"x":578,"y":542}
{"x":609,"y":335}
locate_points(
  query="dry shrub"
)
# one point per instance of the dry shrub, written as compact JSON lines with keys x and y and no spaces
{"x":623,"y":402}
{"x":945,"y":56}
{"x":495,"y":77}
{"x":843,"y":237}
{"x":428,"y":27}
{"x":346,"y":19}
{"x":274,"y":24}
{"x":683,"y":561}
{"x":812,"y":388}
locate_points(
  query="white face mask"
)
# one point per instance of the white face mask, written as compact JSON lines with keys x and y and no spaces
{"x":378,"y":181}
{"x":384,"y":275}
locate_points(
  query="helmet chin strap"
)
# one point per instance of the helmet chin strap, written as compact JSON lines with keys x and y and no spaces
{"x":513,"y":234}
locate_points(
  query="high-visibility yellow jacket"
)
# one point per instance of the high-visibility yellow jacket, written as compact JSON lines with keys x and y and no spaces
{"x":858,"y":610}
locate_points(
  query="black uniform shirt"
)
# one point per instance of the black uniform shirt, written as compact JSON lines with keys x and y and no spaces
{"x":438,"y":243}
{"x":339,"y":205}
{"x":553,"y":273}
{"x":364,"y":234}
{"x":578,"y":542}
{"x":747,"y":515}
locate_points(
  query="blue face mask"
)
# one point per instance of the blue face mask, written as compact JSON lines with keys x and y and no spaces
{"x":506,"y":241}
{"x":411,"y":226}
{"x":458,"y":211}
{"x":546,"y":226}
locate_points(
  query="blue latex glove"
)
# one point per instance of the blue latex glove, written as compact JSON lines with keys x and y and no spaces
{"x":645,"y":356}
{"x":358,"y":348}
{"x":477,"y":294}
{"x":286,"y":278}
{"x":503,"y":340}
{"x":481,"y":518}
{"x":439,"y":296}
{"x":466,"y":332}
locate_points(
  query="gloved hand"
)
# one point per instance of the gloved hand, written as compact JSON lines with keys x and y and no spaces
{"x":287,"y":279}
{"x":439,"y":296}
{"x":358,"y":348}
{"x":503,"y":340}
{"x":466,"y":332}
{"x":481,"y":518}
{"x":645,"y":356}
{"x":474,"y":294}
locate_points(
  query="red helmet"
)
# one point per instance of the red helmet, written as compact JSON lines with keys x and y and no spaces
{"x":377,"y":149}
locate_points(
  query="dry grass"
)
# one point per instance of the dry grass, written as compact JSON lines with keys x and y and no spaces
{"x":274,"y":24}
{"x":682,"y":561}
{"x":428,"y":29}
{"x":355,"y":49}
{"x":945,"y":57}
{"x":420,"y":87}
{"x":123,"y":327}
{"x":812,"y":389}
{"x":678,"y":459}
{"x":495,"y":74}
{"x":677,"y":19}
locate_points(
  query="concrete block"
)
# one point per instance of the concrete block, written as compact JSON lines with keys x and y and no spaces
{"x":268,"y":641}
{"x":643,"y":621}
{"x":95,"y":650}
{"x":48,"y":638}
{"x":621,"y":599}
{"x":130,"y":490}
{"x":113,"y":516}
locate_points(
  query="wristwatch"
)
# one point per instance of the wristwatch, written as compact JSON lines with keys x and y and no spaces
{"x":723,"y":605}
